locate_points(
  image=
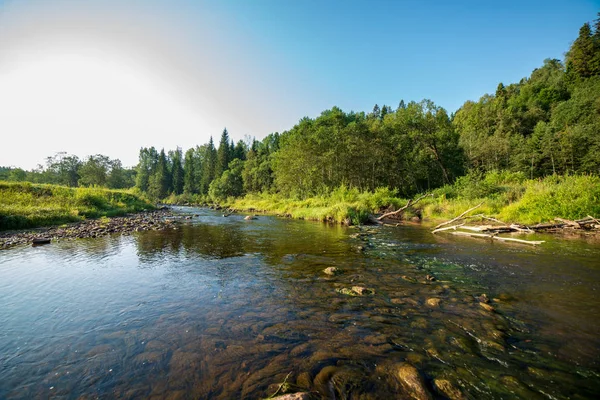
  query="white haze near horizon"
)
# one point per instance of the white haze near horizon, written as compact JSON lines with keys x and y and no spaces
{"x":93,"y":80}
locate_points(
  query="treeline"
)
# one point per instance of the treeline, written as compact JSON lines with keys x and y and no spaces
{"x":548,"y":123}
{"x":69,"y":170}
{"x":208,"y":172}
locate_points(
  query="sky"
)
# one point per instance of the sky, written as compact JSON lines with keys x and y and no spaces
{"x":109,"y":77}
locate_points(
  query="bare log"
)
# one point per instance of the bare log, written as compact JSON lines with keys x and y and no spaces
{"x":519,"y":228}
{"x":593,"y":219}
{"x":401,"y":209}
{"x":494,"y":237}
{"x":568,"y":222}
{"x":459,"y":217}
{"x":447,"y":228}
{"x":541,"y":227}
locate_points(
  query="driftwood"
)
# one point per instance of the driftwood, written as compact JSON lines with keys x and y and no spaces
{"x":459,"y":217}
{"x":491,"y":231}
{"x":447,"y":228}
{"x":494,"y":237}
{"x":401,"y":209}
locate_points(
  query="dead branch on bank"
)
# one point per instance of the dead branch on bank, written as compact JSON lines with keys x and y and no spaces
{"x":402,"y":209}
{"x":459,"y":217}
{"x":494,"y":237}
{"x":588,"y":223}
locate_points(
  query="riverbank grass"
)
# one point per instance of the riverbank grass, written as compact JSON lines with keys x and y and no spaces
{"x":27,"y":205}
{"x":509,"y":197}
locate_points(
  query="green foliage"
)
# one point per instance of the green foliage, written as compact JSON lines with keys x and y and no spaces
{"x":412,"y":149}
{"x":177,"y":172}
{"x":160,"y":181}
{"x":26,"y":205}
{"x":230,"y":184}
{"x":570,"y":197}
{"x":223,"y":154}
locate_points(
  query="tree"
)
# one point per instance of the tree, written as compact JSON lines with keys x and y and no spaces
{"x":209,"y":161}
{"x":582,"y":57}
{"x":117,"y":178}
{"x":228,"y":184}
{"x":177,"y":171}
{"x":240,"y":150}
{"x":376,"y":112}
{"x":223,"y":154}
{"x":159,"y":184}
{"x":94,"y":171}
{"x":148,"y":159}
{"x":190,"y":185}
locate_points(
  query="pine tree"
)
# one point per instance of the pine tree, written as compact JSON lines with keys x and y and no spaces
{"x":223,"y":154}
{"x":376,"y":111}
{"x":189,"y":176}
{"x":177,"y":171}
{"x":209,"y":161}
{"x":159,"y":181}
{"x":580,"y":58}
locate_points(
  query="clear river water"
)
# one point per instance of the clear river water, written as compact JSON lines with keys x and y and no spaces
{"x":225,"y":308}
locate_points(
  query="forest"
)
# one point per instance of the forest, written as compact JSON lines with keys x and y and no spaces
{"x":546,"y":124}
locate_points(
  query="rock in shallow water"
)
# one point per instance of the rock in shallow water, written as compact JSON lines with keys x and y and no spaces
{"x":332,"y":271}
{"x":447,"y":389}
{"x":412,"y":382}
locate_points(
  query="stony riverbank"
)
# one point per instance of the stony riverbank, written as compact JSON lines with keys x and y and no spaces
{"x":143,"y":221}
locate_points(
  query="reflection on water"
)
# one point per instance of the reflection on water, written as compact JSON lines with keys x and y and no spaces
{"x":227,"y":308}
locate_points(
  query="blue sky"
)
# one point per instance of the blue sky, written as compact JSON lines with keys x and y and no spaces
{"x":363,"y":52}
{"x":111,"y":76}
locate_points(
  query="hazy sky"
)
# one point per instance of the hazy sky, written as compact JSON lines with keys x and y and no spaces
{"x":109,"y":77}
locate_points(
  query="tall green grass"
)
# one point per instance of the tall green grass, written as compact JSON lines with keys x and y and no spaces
{"x":27,"y":205}
{"x":507,"y":196}
{"x":342,"y":205}
{"x":511,"y":197}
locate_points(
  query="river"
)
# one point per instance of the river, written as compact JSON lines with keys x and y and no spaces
{"x":227,"y":308}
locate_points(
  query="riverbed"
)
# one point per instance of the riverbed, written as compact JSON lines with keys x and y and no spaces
{"x":222,"y":307}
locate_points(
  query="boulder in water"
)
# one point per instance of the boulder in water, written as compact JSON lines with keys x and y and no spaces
{"x":412,"y":382}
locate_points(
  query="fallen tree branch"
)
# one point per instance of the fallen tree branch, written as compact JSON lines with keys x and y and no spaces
{"x":459,"y":217}
{"x":494,"y":237}
{"x":568,"y":222}
{"x":447,"y":228}
{"x":401,"y":209}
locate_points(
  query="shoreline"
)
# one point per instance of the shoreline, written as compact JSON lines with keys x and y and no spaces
{"x":91,"y":228}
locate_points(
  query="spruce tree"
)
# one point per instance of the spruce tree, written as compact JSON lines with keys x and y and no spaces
{"x":159,"y":181}
{"x":209,"y":166}
{"x":177,"y":173}
{"x":223,"y":154}
{"x":189,"y":176}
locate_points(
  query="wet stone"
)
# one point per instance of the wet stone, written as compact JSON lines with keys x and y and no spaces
{"x":433,"y":302}
{"x":332,"y":271}
{"x":412,"y":382}
{"x":446,"y":388}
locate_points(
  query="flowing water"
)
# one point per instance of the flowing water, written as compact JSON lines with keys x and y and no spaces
{"x":227,"y":308}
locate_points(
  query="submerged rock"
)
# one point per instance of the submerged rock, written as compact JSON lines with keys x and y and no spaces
{"x":249,"y":217}
{"x":332,"y":271}
{"x":361,"y":291}
{"x":446,"y":388}
{"x":433,"y":302}
{"x":412,"y":382}
{"x":487,"y":307}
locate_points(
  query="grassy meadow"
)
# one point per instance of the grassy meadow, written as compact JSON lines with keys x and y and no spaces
{"x":27,"y":205}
